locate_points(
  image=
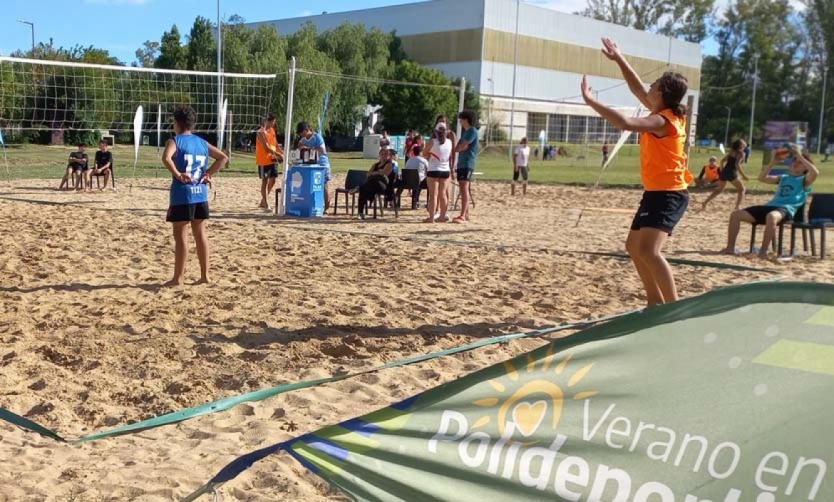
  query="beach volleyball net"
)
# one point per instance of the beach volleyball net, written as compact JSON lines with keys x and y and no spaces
{"x":66,"y":102}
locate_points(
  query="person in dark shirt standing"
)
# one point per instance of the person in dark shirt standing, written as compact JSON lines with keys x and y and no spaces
{"x":102,"y":166}
{"x":76,"y":166}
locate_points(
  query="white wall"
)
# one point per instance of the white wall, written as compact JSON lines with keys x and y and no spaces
{"x":540,"y":22}
{"x":407,"y":19}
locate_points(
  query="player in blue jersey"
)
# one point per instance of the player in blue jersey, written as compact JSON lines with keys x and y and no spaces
{"x":186,"y":157}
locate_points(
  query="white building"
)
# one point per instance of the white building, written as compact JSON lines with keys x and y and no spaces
{"x":476,"y":39}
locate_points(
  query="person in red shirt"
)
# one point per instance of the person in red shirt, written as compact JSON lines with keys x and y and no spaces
{"x":663,"y":170}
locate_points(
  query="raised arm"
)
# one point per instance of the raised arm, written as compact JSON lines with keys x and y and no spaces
{"x":811,"y":171}
{"x":764,"y":177}
{"x":635,"y":85}
{"x":653,"y":123}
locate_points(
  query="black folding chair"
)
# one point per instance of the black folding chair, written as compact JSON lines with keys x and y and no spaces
{"x":820,"y":217}
{"x":778,"y":240}
{"x":410,"y":181}
{"x":355,"y":179}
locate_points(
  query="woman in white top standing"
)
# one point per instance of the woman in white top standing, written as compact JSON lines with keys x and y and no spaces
{"x":439,"y":174}
{"x":521,"y":163}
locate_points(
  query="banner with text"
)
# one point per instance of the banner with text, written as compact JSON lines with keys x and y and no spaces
{"x":726,"y":397}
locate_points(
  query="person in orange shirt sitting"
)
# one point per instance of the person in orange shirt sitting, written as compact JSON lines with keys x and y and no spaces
{"x":267,"y":154}
{"x":663,"y":170}
{"x":708,"y":178}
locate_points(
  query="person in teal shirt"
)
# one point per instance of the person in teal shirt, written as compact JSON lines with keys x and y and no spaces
{"x":791,"y":192}
{"x":314,"y":142}
{"x":467,"y":149}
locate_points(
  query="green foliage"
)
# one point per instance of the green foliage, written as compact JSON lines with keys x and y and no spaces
{"x":201,"y":52}
{"x":415,"y":107}
{"x":172,"y":54}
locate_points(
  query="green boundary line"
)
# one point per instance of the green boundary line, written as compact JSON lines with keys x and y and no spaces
{"x":259,"y":395}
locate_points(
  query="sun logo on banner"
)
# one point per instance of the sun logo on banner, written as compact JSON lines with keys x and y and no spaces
{"x":530,"y":403}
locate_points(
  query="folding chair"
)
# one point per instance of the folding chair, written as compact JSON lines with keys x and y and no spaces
{"x":820,"y":217}
{"x":410,"y":181}
{"x":98,"y":178}
{"x":355,"y":179}
{"x":778,"y":240}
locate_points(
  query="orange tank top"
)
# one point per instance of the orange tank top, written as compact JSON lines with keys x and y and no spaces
{"x":263,"y":157}
{"x":662,"y":160}
{"x":711,"y":172}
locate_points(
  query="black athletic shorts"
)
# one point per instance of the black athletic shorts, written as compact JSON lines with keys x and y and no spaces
{"x":661,"y":209}
{"x":188,"y":212}
{"x":464,"y":174}
{"x":759,"y":213}
{"x":269,"y":171}
{"x":443,"y":175}
{"x":523,"y":171}
{"x":728,"y":174}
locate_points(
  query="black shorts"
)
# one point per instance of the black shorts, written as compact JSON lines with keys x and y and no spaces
{"x":268,"y":171}
{"x":188,"y":212}
{"x":443,"y":175}
{"x":464,"y":174}
{"x":523,"y":171}
{"x":728,"y":174}
{"x":759,"y":213}
{"x":661,"y":209}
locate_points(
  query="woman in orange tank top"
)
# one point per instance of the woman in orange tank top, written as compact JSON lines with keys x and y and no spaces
{"x":663,"y":170}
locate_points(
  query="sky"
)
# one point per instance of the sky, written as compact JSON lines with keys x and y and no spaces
{"x":121,"y":26}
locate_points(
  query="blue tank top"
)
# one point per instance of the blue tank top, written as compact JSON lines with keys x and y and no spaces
{"x":192,"y":157}
{"x":790,"y":193}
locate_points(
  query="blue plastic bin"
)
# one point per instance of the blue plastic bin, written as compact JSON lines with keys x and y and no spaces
{"x":305,"y":186}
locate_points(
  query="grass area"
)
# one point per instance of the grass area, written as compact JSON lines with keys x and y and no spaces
{"x":35,"y":161}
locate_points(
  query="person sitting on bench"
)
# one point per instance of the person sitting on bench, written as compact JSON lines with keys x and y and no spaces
{"x":103,"y":165}
{"x":377,"y":182}
{"x":76,"y":168}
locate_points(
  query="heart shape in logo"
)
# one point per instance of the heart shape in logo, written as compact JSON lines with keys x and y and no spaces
{"x":528,"y":416}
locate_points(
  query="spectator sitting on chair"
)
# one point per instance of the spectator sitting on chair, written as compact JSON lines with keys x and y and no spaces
{"x":377,"y":182}
{"x":76,"y":167}
{"x":791,"y":191}
{"x":102,"y":166}
{"x":393,"y":178}
{"x":709,"y":174}
{"x":420,"y":164}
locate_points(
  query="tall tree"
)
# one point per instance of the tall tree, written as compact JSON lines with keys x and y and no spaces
{"x":147,"y":54}
{"x":408,"y":107}
{"x":747,"y":40}
{"x":201,"y":49}
{"x":171,"y":52}
{"x":686,"y":19}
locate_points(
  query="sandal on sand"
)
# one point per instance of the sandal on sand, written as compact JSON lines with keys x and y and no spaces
{"x":458,"y":219}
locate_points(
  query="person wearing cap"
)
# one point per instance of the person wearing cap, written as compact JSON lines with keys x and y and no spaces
{"x":313,"y":142}
{"x":267,"y":154}
{"x":709,"y":174}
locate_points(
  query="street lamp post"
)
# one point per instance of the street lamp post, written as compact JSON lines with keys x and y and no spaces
{"x":727,"y":128}
{"x":753,"y":108}
{"x":32,"y":27}
{"x":515,"y":68}
{"x":822,"y":105}
{"x":489,"y":110}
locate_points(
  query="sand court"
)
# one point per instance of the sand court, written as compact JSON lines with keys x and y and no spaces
{"x":88,"y":340}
